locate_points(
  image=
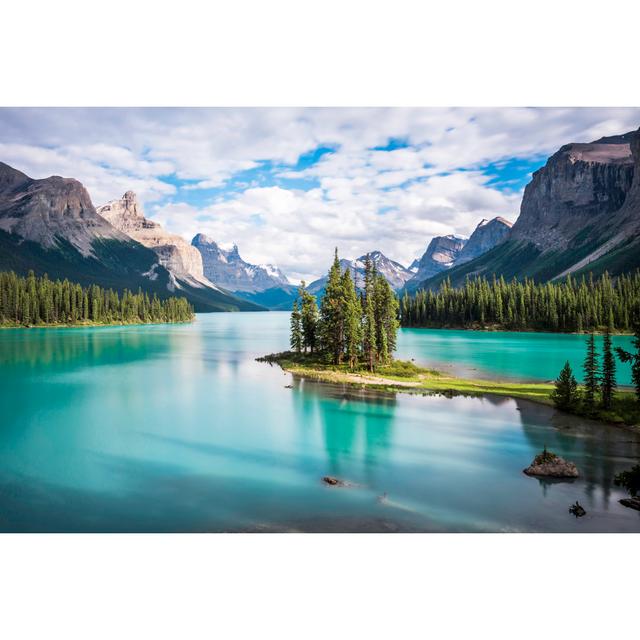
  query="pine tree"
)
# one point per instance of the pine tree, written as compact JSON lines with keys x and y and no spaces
{"x":296,"y":328}
{"x":332,"y":313}
{"x":634,"y":359}
{"x":591,"y":373}
{"x":309,"y":318}
{"x":565,"y":395}
{"x":608,"y":371}
{"x":352,"y":320}
{"x":369,"y":335}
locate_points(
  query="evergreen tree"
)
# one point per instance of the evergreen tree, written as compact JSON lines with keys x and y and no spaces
{"x":296,"y":328}
{"x":309,"y":318}
{"x":634,"y":359}
{"x":38,"y":300}
{"x":608,"y":371}
{"x":565,"y":395}
{"x":332,"y":313}
{"x":591,"y":373}
{"x":369,"y":333}
{"x":352,"y":320}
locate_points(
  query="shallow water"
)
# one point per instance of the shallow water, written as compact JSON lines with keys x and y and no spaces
{"x":177,"y":428}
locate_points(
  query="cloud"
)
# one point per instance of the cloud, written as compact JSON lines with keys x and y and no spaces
{"x":229,"y":172}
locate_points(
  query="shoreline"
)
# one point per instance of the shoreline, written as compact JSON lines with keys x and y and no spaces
{"x":90,"y":325}
{"x":505,"y":330}
{"x":416,"y":380}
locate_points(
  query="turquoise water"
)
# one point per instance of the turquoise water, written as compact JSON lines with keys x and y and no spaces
{"x":177,"y":428}
{"x":504,"y":354}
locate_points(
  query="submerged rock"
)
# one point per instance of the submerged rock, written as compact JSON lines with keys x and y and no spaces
{"x":550,"y":465}
{"x":632,"y":503}
{"x":577,"y":510}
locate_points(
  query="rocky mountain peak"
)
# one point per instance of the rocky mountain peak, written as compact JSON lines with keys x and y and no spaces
{"x":229,"y":270}
{"x":174,"y":252}
{"x":487,"y":235}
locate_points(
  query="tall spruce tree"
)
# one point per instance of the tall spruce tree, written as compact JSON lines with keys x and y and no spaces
{"x":352,"y":320}
{"x":309,"y":318}
{"x":565,"y":395}
{"x":296,"y":328}
{"x":332,"y":313}
{"x":609,"y":384}
{"x":369,"y":332}
{"x":634,"y":359}
{"x":591,"y":373}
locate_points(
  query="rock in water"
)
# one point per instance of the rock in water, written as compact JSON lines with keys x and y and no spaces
{"x":632,"y":503}
{"x":550,"y":465}
{"x":577,"y":510}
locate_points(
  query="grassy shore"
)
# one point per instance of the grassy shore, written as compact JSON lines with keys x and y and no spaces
{"x":407,"y":377}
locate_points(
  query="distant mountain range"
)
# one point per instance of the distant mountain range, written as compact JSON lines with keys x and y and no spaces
{"x":579,"y":213}
{"x":51,"y":226}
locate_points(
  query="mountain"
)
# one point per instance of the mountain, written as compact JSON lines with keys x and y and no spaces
{"x":441,"y":254}
{"x":51,"y":226}
{"x":395,"y":274}
{"x":485,"y":237}
{"x":263,"y":284}
{"x":229,"y":270}
{"x":174,"y":253}
{"x":580,"y":213}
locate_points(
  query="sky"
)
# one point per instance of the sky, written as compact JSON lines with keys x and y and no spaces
{"x":287,"y":185}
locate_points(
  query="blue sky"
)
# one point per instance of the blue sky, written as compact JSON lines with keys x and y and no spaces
{"x":289,"y":184}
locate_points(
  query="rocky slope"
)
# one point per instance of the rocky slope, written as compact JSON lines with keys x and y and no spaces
{"x":485,"y":237}
{"x":580,"y":213}
{"x":174,"y":252}
{"x":229,"y":270}
{"x":51,"y":226}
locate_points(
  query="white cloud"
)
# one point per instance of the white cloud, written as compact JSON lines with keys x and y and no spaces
{"x":366,"y":199}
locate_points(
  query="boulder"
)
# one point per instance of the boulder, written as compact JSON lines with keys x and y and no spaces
{"x":632,"y":503}
{"x":333,"y":482}
{"x":577,"y":510}
{"x":550,"y":465}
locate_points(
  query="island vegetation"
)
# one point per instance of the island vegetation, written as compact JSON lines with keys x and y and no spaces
{"x":359,"y":329}
{"x":351,"y":337}
{"x":599,"y":397}
{"x":39,"y":301}
{"x":569,"y":306}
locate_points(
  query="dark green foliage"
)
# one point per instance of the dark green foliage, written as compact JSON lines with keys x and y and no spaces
{"x":566,"y":306}
{"x":634,"y":359}
{"x":591,"y":374}
{"x":358,"y":329}
{"x":608,"y":371}
{"x":629,"y":480}
{"x":308,"y":318}
{"x":296,"y":328}
{"x":565,"y":396}
{"x":40,"y":301}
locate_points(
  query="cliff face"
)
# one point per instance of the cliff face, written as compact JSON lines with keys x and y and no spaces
{"x":174,"y":253}
{"x":580,"y":213}
{"x":579,"y":186}
{"x":51,"y":211}
{"x":441,"y":254}
{"x":485,"y":237}
{"x":229,"y":270}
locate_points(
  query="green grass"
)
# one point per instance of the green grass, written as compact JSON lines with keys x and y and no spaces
{"x":408,"y":377}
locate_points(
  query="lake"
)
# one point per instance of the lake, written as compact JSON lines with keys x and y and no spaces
{"x":177,"y":428}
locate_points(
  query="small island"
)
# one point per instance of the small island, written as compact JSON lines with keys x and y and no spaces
{"x":41,"y":302}
{"x":350,"y":340}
